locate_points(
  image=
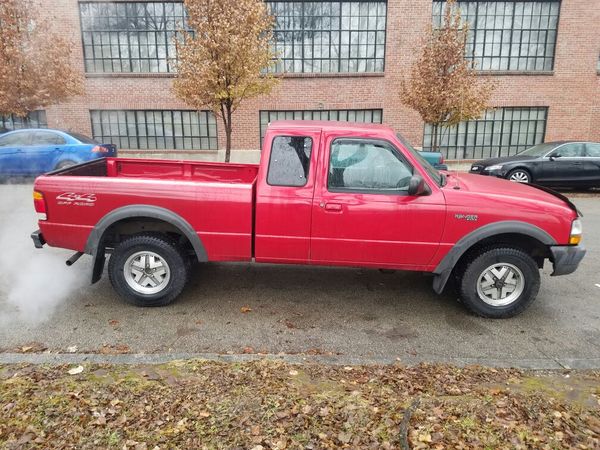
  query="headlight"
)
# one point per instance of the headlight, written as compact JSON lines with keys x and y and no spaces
{"x":490,"y":168}
{"x":576,"y":231}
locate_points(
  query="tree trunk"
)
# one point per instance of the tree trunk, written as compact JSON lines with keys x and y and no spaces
{"x":226,"y":116}
{"x":435,"y":143}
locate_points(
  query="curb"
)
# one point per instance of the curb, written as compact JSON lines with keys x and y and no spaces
{"x":143,"y":358}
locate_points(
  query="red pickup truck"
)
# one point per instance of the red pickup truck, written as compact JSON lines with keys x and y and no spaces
{"x":325,"y":193}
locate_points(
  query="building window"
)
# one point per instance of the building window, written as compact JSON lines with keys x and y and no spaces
{"x":342,"y":115}
{"x":35,"y":119}
{"x":501,"y":132}
{"x":130,"y":36}
{"x":328,"y":36}
{"x":156,"y":130}
{"x":508,"y":35}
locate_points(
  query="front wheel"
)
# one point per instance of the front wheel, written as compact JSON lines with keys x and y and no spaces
{"x":499,"y":282}
{"x":519,"y":176}
{"x":148,"y":270}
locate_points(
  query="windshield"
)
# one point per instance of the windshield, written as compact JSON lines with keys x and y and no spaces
{"x":433,"y":173}
{"x":538,"y":150}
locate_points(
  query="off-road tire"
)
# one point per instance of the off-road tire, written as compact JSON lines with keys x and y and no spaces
{"x":473,"y":269}
{"x":164,"y":247}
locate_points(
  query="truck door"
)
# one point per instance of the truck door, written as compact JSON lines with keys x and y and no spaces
{"x":284,"y":196}
{"x":362,"y":213}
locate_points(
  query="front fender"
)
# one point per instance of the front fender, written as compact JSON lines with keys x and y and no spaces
{"x":444,"y":268}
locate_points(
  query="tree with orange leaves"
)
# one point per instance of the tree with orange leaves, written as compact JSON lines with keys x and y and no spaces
{"x":444,"y":87}
{"x":35,"y":64}
{"x":225,"y":56}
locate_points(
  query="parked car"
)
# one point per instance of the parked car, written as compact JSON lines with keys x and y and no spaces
{"x":436,"y":159}
{"x":325,"y":193}
{"x":554,"y":164}
{"x":34,"y":151}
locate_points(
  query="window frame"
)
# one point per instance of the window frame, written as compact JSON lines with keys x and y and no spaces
{"x":507,"y":35}
{"x":496,"y":150}
{"x":310,"y":161}
{"x":138,"y":125}
{"x":290,"y":31}
{"x":134,"y":52}
{"x":376,"y":142}
{"x":36,"y":119}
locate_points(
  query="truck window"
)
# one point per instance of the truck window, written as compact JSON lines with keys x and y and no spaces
{"x":366,"y":166}
{"x":290,"y":161}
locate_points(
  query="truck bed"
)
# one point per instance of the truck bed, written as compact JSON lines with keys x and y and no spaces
{"x":216,"y":199}
{"x":163,"y":170}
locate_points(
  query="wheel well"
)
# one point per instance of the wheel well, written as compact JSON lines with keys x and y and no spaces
{"x":533,"y":247}
{"x":524,"y":169}
{"x":124,"y":228}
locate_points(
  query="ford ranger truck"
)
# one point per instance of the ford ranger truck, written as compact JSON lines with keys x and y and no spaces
{"x":324,"y":194}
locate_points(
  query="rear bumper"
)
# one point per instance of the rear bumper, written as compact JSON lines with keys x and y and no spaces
{"x":566,"y":259}
{"x":38,"y":239}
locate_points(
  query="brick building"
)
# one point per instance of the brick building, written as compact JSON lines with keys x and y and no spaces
{"x":343,"y":60}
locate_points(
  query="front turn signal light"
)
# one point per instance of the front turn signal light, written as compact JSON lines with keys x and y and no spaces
{"x":576,"y":232}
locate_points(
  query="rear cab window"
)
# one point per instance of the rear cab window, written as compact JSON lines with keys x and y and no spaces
{"x":289,"y":163}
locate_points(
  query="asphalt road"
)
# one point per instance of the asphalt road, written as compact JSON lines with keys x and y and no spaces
{"x":362,"y":315}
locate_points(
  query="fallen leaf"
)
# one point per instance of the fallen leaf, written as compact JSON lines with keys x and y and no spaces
{"x":75,"y":370}
{"x":425,"y":437}
{"x":113,"y":323}
{"x":245,"y":309}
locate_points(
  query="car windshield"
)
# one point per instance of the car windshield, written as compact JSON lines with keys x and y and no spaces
{"x":538,"y":150}
{"x":433,"y":173}
{"x":83,"y":139}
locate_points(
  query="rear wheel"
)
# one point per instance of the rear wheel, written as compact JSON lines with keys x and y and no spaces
{"x":519,"y":176}
{"x":499,"y":282}
{"x":64,"y":164}
{"x":148,"y":270}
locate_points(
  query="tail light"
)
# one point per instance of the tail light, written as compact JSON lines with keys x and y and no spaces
{"x":100,"y":149}
{"x":39,"y":204}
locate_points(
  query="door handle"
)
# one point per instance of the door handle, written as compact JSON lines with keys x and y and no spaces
{"x":333,"y":207}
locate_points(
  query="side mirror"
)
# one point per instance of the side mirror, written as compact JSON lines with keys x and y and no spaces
{"x":417,"y":186}
{"x":555,"y":156}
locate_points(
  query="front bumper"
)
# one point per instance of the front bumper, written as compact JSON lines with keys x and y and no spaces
{"x":38,"y":239}
{"x":566,"y":259}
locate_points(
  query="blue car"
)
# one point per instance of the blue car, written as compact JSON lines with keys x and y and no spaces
{"x":35,"y":151}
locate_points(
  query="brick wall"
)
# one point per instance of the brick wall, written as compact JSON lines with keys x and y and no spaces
{"x":572,"y":91}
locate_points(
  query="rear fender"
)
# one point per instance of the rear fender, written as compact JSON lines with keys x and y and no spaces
{"x":95,"y":245}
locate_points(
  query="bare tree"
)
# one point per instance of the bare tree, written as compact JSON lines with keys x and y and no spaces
{"x":35,"y":62}
{"x":225,"y":56}
{"x":443,"y":86}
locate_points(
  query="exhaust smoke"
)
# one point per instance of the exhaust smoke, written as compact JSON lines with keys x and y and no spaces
{"x":33,"y":282}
